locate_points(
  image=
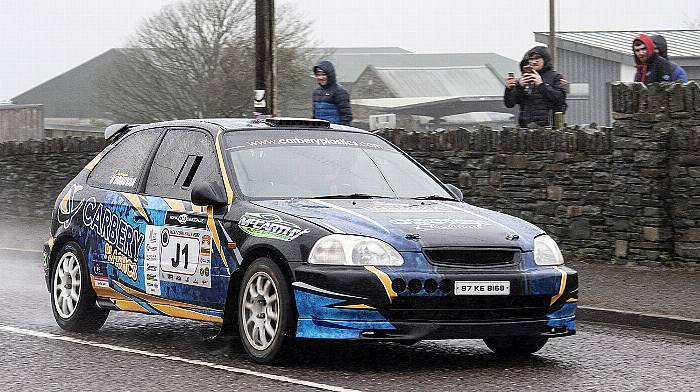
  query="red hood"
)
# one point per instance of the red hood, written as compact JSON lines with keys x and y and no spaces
{"x":648,"y":42}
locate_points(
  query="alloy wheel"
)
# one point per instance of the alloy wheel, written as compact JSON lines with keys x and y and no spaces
{"x":66,"y":285}
{"x":260,"y":311}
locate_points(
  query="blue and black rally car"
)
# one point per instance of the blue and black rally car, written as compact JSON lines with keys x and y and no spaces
{"x":288,"y":229}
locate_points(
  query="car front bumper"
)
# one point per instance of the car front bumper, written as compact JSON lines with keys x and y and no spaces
{"x":363,"y":303}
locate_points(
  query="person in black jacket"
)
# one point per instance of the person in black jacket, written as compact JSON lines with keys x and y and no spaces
{"x":539,"y":92}
{"x":661,"y":48}
{"x":331,"y":100}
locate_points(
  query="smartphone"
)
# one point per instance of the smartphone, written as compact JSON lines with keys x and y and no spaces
{"x":511,"y":75}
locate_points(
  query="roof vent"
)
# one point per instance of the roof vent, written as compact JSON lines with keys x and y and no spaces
{"x":296,"y":122}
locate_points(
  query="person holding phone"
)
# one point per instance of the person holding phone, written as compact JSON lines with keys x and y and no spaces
{"x":539,"y":93}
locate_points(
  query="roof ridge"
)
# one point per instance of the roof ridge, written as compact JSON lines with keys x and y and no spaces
{"x":617,"y":31}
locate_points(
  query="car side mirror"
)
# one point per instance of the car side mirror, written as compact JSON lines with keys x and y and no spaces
{"x":456,"y":192}
{"x":209,"y":194}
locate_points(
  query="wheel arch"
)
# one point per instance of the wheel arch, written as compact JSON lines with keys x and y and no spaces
{"x":58,"y":244}
{"x":230,"y":309}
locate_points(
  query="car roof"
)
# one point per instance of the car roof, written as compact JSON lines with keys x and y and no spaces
{"x":213,"y":125}
{"x":275,"y":122}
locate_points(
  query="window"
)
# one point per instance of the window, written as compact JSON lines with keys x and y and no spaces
{"x":121,"y":167}
{"x":185,"y":158}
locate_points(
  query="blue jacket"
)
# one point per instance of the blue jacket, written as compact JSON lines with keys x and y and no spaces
{"x":678,"y":73}
{"x":332,"y":101}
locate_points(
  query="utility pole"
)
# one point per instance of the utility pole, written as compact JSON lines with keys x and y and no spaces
{"x":552,"y":35}
{"x":264,"y":57}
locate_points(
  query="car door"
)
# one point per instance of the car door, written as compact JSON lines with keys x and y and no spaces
{"x":185,"y":261}
{"x":113,"y":218}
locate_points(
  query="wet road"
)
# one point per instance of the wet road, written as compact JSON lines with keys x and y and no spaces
{"x":149,"y":353}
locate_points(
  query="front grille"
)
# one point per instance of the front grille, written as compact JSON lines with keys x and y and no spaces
{"x":471,"y":257}
{"x":453,"y":308}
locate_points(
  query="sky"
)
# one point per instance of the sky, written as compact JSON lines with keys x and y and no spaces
{"x":41,"y":39}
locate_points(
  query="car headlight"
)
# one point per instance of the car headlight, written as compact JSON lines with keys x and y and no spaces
{"x":341,"y":249}
{"x":547,"y":252}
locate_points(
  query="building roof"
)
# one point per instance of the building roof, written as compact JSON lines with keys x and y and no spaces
{"x":71,"y":94}
{"x":437,"y":91}
{"x":349,"y":66}
{"x":435,"y":106}
{"x":683,"y":45}
{"x":359,"y":50}
{"x":477,"y":80}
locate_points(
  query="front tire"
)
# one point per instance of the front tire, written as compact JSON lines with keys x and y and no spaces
{"x":515,"y":345}
{"x":72,"y":296}
{"x":265,"y":312}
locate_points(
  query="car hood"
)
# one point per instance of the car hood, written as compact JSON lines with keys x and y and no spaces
{"x":410,"y":225}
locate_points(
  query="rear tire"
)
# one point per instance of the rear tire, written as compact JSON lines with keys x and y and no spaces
{"x":72,"y":296}
{"x":515,"y":345}
{"x":265,"y":312}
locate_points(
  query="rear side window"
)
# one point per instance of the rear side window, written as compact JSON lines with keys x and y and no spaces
{"x":122,"y":166}
{"x":185,"y":158}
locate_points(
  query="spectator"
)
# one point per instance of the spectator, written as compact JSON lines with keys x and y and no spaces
{"x":651,"y":68}
{"x":331,"y":100}
{"x":677,"y":73}
{"x":539,"y":92}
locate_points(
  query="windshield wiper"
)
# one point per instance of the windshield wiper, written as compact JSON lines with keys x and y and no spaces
{"x":434,"y":197}
{"x":351,"y":196}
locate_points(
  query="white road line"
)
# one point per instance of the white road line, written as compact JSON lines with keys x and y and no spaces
{"x":230,"y":369}
{"x":23,"y":250}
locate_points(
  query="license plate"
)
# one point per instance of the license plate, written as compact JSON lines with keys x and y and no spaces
{"x":482,"y":287}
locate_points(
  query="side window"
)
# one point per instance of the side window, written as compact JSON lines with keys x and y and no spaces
{"x":121,"y":167}
{"x":185,"y":158}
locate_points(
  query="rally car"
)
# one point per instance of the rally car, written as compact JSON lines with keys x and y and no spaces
{"x":284,"y":229}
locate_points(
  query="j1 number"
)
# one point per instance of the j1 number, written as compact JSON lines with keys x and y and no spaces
{"x":176,"y":260}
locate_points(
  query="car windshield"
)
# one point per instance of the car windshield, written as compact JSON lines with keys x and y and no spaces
{"x":324,"y":164}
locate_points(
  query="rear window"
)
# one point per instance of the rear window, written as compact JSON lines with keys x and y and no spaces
{"x":122,"y":166}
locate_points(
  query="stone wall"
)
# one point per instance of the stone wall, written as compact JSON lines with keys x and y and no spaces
{"x":35,"y":172}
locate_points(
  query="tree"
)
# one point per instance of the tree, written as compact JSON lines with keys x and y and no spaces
{"x":196,"y":59}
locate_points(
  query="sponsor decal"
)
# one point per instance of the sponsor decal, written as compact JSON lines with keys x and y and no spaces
{"x":205,"y":249}
{"x":441,"y":224}
{"x":314,"y":141}
{"x":380,"y":207}
{"x":121,"y":178}
{"x":99,"y":268}
{"x":179,"y":251}
{"x":152,"y":259}
{"x":101,"y":281}
{"x":123,"y":240}
{"x":68,"y":208}
{"x":267,"y":225}
{"x":173,"y":218}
